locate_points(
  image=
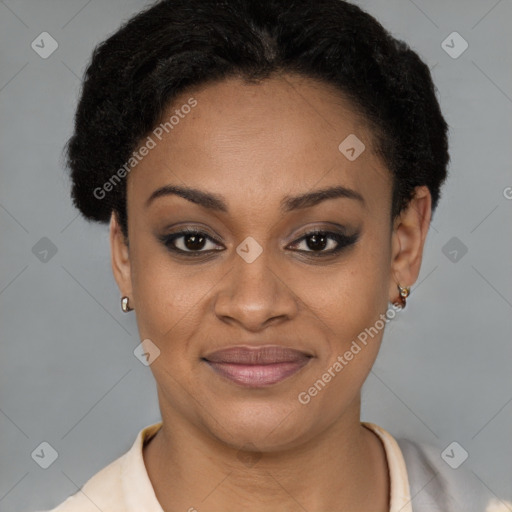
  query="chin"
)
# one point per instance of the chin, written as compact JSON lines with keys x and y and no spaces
{"x":267,"y":425}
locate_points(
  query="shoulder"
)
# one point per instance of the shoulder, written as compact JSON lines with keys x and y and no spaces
{"x":437,"y":486}
{"x":103,"y":491}
{"x":111,"y":489}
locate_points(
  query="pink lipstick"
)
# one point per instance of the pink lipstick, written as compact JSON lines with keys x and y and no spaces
{"x":257,"y":366}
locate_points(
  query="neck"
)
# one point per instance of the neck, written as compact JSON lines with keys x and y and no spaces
{"x":342,"y":469}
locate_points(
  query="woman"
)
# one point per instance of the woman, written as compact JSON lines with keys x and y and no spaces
{"x":269,"y":171}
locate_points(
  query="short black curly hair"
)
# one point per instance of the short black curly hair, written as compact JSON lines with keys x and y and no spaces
{"x":172,"y":45}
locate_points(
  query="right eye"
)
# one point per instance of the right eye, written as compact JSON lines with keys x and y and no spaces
{"x":189,"y":242}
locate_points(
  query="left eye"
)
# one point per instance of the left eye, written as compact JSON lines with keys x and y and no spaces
{"x":317,"y":241}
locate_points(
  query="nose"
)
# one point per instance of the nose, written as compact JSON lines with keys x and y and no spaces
{"x":256,"y":293}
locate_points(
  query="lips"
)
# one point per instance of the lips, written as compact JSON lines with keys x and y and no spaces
{"x":257,"y":366}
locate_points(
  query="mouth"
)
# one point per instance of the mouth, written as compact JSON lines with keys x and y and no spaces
{"x":257,"y":366}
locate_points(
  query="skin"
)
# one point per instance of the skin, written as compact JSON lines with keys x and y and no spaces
{"x":253,"y":144}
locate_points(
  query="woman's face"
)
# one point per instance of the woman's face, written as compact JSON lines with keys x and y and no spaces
{"x":252,"y":277}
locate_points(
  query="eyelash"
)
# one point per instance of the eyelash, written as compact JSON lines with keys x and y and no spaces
{"x":343,"y":241}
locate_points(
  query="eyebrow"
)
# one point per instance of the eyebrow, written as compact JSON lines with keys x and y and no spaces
{"x":288,"y":203}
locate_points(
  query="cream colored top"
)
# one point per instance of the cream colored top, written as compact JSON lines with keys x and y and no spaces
{"x":124,"y":485}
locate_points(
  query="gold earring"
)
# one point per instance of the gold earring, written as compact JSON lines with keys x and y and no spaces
{"x":403,"y":293}
{"x":124,"y":305}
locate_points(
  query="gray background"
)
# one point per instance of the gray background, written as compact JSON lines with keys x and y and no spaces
{"x":68,"y":375}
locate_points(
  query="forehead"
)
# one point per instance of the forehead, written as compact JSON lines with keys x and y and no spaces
{"x":255,"y":142}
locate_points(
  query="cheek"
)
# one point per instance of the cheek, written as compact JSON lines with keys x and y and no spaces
{"x":355,"y":294}
{"x":167,"y":295}
{"x":354,"y":326}
{"x":357,"y":299}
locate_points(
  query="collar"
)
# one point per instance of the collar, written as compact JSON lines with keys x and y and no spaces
{"x":400,"y":497}
{"x":137,"y":488}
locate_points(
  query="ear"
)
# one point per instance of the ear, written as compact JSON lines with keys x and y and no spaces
{"x":120,"y":258}
{"x":410,"y":230}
